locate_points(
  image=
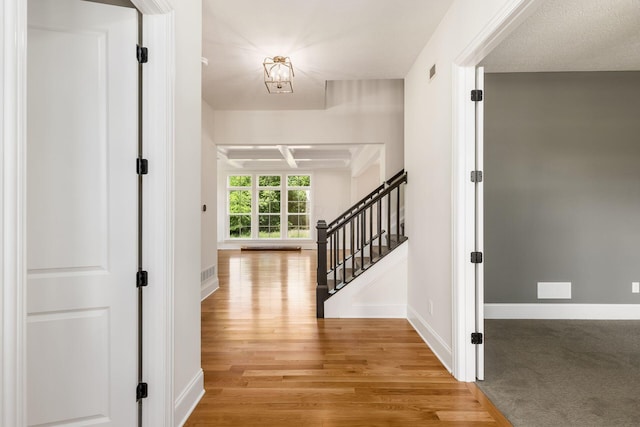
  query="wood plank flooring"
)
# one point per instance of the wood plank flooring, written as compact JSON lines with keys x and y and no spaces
{"x":269,"y":362}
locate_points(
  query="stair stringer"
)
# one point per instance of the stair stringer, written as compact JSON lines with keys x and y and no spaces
{"x":380,"y":292}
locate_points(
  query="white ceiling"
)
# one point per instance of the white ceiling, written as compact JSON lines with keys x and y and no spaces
{"x":573,"y":35}
{"x":303,"y":157}
{"x":325,"y":39}
{"x":379,"y":39}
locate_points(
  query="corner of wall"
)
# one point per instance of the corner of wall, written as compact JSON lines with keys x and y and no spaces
{"x":189,"y":399}
{"x":208,"y":287}
{"x":435,"y":342}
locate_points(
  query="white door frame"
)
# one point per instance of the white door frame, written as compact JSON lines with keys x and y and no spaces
{"x":512,"y":14}
{"x":158,"y":128}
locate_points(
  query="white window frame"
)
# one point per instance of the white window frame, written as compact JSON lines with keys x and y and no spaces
{"x":284,"y":206}
{"x":257,"y":208}
{"x":228,"y":213}
{"x":285,"y":212}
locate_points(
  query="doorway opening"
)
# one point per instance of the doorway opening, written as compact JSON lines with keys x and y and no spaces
{"x":559,"y":210}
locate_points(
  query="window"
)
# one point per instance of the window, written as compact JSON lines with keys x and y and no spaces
{"x":269,"y":206}
{"x":298,"y":203}
{"x":239,"y":207}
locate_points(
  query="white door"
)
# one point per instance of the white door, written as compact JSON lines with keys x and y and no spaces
{"x":479,"y":226}
{"x":81,"y":214}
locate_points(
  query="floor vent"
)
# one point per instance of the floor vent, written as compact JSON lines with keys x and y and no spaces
{"x":271,"y":248}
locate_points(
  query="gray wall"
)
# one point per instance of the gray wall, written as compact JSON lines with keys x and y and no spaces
{"x":562,"y":185}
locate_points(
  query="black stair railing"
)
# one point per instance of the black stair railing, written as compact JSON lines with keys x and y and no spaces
{"x":355,"y":240}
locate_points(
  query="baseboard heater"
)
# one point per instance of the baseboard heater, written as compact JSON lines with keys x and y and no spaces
{"x":271,"y":248}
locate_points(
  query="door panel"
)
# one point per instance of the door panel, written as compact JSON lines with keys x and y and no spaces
{"x":76,"y":209}
{"x":85,"y":333}
{"x":82,"y":217}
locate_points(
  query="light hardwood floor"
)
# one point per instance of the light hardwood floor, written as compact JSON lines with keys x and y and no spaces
{"x":269,"y":362}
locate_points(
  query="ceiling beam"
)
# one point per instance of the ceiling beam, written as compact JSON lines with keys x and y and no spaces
{"x":233,"y":163}
{"x":288,"y":156}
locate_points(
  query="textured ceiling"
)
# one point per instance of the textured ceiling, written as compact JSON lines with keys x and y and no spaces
{"x":325,"y":39}
{"x":573,"y":35}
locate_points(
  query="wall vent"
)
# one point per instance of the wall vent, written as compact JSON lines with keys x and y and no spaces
{"x":207,"y":274}
{"x":554,"y":290}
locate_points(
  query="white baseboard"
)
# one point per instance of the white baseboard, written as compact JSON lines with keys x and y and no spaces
{"x":563,"y":311}
{"x":209,"y":287}
{"x":188,"y":399}
{"x":435,"y":342}
{"x":370,"y":311}
{"x":237,"y":245}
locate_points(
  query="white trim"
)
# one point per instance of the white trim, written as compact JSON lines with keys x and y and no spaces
{"x":509,"y":17}
{"x":464,"y":290}
{"x":284,"y":204}
{"x":188,"y":399}
{"x":13,"y":214}
{"x":479,"y":224}
{"x":305,"y":244}
{"x":154,"y":7}
{"x":208,"y":287}
{"x":435,"y":342}
{"x":158,"y":232}
{"x":513,"y":13}
{"x":563,"y":311}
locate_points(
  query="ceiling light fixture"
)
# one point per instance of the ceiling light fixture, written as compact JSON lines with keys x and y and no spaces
{"x":278,"y":73}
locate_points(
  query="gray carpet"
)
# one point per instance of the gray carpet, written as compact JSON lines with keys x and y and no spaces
{"x":564,"y":372}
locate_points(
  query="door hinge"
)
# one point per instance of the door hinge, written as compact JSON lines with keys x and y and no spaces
{"x":476,"y":95}
{"x":476,"y":338}
{"x":142,"y":166}
{"x":142,"y":54}
{"x":141,"y":278}
{"x":476,"y":176}
{"x":141,"y":391}
{"x":476,"y":257}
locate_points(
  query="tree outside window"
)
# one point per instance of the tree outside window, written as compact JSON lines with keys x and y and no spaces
{"x":240,"y":207}
{"x":258,"y":208}
{"x":298,"y":206}
{"x":269,"y":197}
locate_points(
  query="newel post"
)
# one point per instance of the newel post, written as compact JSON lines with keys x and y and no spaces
{"x":322,"y":290}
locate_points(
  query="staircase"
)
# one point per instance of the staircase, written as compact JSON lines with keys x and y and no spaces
{"x":359,"y":238}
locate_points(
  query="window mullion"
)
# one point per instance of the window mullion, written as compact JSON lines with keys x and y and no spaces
{"x":284,"y":226}
{"x":254,"y":207}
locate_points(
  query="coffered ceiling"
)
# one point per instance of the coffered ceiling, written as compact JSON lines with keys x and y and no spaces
{"x":304,"y":157}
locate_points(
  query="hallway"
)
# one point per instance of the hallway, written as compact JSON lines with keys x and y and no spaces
{"x":269,"y":362}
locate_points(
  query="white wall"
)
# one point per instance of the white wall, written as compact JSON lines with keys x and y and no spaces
{"x":381,"y":293}
{"x":428,"y":158}
{"x":188,"y":36}
{"x":358,"y":112}
{"x":331,"y":192}
{"x":366,"y":182}
{"x":208,"y":245}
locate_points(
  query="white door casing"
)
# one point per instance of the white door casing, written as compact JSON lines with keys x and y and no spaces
{"x":479,"y":223}
{"x":510,"y":16}
{"x":81,"y":213}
